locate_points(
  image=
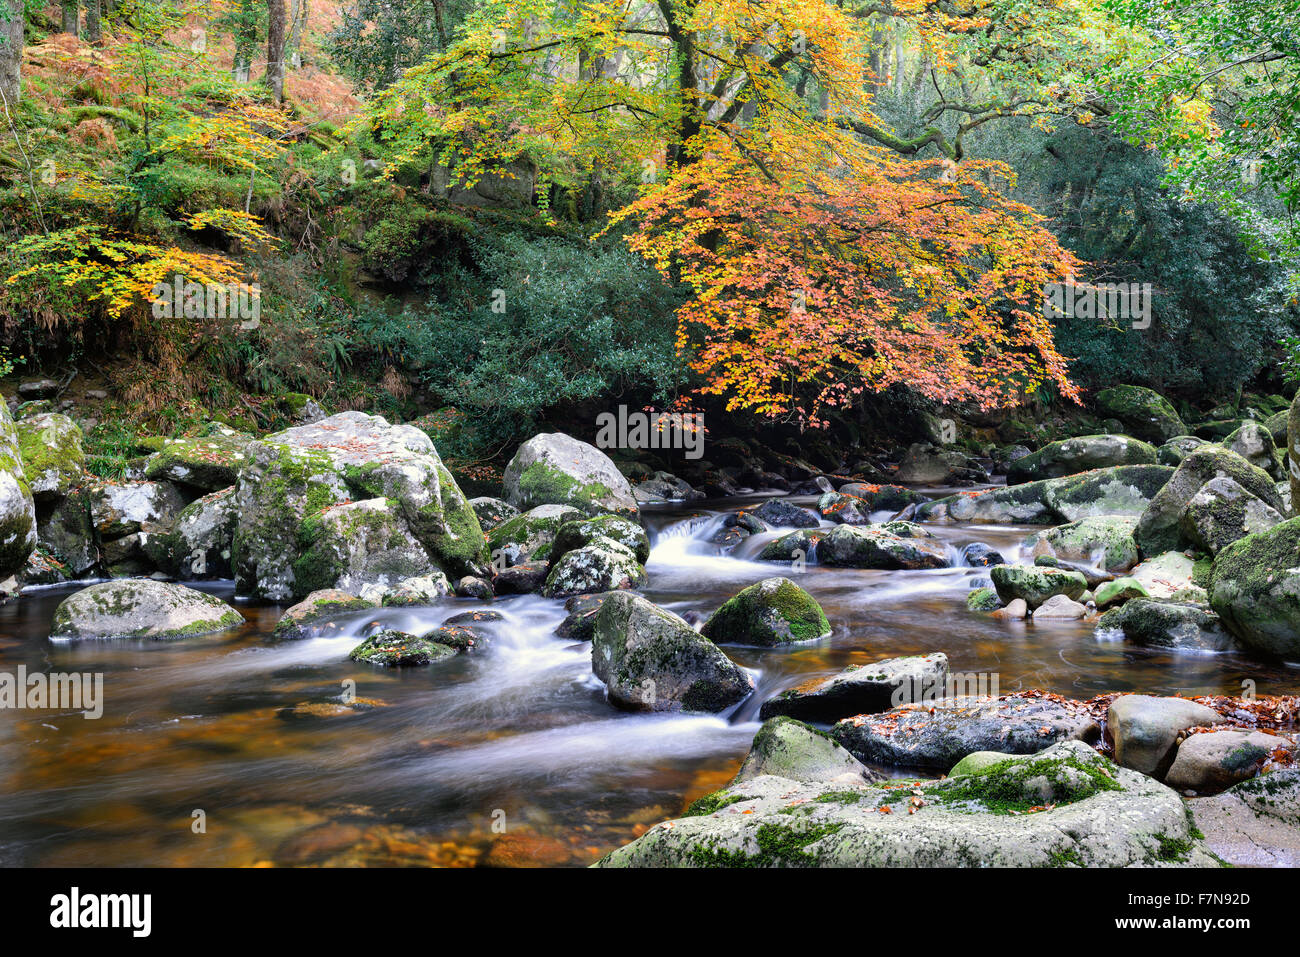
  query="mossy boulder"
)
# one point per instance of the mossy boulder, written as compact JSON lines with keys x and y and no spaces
{"x":292,"y":476}
{"x":1176,"y":449}
{"x":580,"y":622}
{"x":416,"y":591}
{"x":118,"y":509}
{"x":557,"y":469}
{"x":317,"y":612}
{"x":601,"y":565}
{"x":1105,"y":540}
{"x":791,"y":749}
{"x":208,"y":463}
{"x":1293,"y":450}
{"x":1034,"y":584}
{"x":17,"y":505}
{"x":1081,"y":454}
{"x":902,"y":546}
{"x":67,"y":533}
{"x":1255,"y":588}
{"x":772,"y":612}
{"x":1180,"y":626}
{"x":1120,"y":590}
{"x":863,"y":689}
{"x":1086,"y":813}
{"x":141,"y":608}
{"x":492,"y":512}
{"x":651,"y":660}
{"x":1119,"y":490}
{"x":1159,"y":529}
{"x":983,"y":599}
{"x":1254,"y":443}
{"x":199,"y":543}
{"x":577,"y":534}
{"x":53,"y":458}
{"x":1214,"y":761}
{"x":793,"y":546}
{"x":882,"y":498}
{"x":1143,"y":412}
{"x":1222,"y":512}
{"x":357,"y":544}
{"x":397,"y":649}
{"x":529,"y":536}
{"x":781,"y":514}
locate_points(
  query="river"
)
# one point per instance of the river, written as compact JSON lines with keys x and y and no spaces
{"x":509,"y":756}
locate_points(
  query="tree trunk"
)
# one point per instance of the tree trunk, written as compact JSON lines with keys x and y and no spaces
{"x":71,"y":17}
{"x":245,"y":41}
{"x":94,"y":31}
{"x":275,"y":34}
{"x":11,"y":52}
{"x":297,"y":24}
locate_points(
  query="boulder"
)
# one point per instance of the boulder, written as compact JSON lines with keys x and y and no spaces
{"x":790,"y":749}
{"x":1164,"y":624}
{"x":1105,"y":541}
{"x":492,"y":512}
{"x":1159,"y":528}
{"x":418,"y":591}
{"x":577,"y":534}
{"x":522,"y":579}
{"x":352,"y":545}
{"x":396,"y":649}
{"x":67,"y":534}
{"x":926,"y":736}
{"x":1035,"y":584}
{"x":843,"y":509}
{"x":580,"y":623}
{"x":1121,"y":490}
{"x":781,"y":514}
{"x":1178,"y":448}
{"x":796,"y":546}
{"x":1144,"y":413}
{"x":1216,"y":760}
{"x":17,"y":506}
{"x":651,"y":660}
{"x":317,"y":612}
{"x":52,"y":454}
{"x":118,"y":509}
{"x":863,"y":689}
{"x":1254,"y":443}
{"x":292,"y":476}
{"x":1086,"y":813}
{"x":772,"y":612}
{"x":983,"y":599}
{"x":1119,"y":591}
{"x":979,"y":555}
{"x":529,"y":536}
{"x":198,"y":544}
{"x":1081,"y":454}
{"x":141,"y":608}
{"x":556,"y":469}
{"x":1061,"y":608}
{"x":882,"y":498}
{"x":602,"y":565}
{"x":209,"y":462}
{"x":1255,"y":823}
{"x":1169,"y":575}
{"x":1145,"y":730}
{"x":882,"y":547}
{"x":1222,"y":512}
{"x":1255,"y":588}
{"x":926,"y":464}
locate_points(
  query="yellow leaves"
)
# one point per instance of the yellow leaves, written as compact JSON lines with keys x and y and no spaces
{"x":235,"y":223}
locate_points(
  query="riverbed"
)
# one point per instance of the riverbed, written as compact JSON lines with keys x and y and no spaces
{"x":509,"y":756}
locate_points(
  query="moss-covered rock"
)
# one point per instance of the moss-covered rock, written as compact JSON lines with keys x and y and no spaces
{"x":602,"y":565}
{"x":1035,"y":584}
{"x":1254,"y":443}
{"x":356,"y":544}
{"x":1105,"y":540}
{"x":17,"y":506}
{"x":198,"y":544}
{"x":791,"y":749}
{"x":529,"y":536}
{"x":863,"y":689}
{"x":983,"y":599}
{"x":53,"y":458}
{"x":774,"y":611}
{"x":651,"y":660}
{"x":1159,"y":528}
{"x":556,"y":469}
{"x":141,"y":608}
{"x":208,"y":463}
{"x":1255,"y":589}
{"x":1176,"y":449}
{"x":492,"y":512}
{"x":1118,"y":591}
{"x":396,"y":649}
{"x":577,"y":534}
{"x":1222,"y":512}
{"x":1081,"y":454}
{"x":904,"y":546}
{"x":1120,"y":490}
{"x":317,"y":611}
{"x":1145,"y":413}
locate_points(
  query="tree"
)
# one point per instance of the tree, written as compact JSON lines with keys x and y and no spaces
{"x":71,"y":17}
{"x":11,"y":52}
{"x":244,"y":20}
{"x":823,"y":263}
{"x":377,"y":39}
{"x":94,"y":28}
{"x":275,"y":46}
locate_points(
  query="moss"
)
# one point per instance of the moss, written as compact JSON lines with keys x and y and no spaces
{"x":778,"y":846}
{"x":540,"y":484}
{"x":983,"y":599}
{"x":712,"y":803}
{"x":770,"y":612}
{"x":1001,"y":788}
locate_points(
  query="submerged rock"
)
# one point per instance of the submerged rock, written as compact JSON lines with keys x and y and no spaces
{"x":651,"y":660}
{"x":141,"y":608}
{"x":1166,"y":624}
{"x":396,"y":649}
{"x":772,"y":612}
{"x":1086,"y":813}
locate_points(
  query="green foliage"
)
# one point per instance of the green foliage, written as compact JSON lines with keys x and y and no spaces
{"x":376,"y":40}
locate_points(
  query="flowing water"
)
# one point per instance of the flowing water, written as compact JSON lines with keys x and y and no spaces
{"x":508,"y":756}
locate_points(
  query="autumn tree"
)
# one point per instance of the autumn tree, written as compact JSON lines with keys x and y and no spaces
{"x":275,"y":46}
{"x":823,"y":263}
